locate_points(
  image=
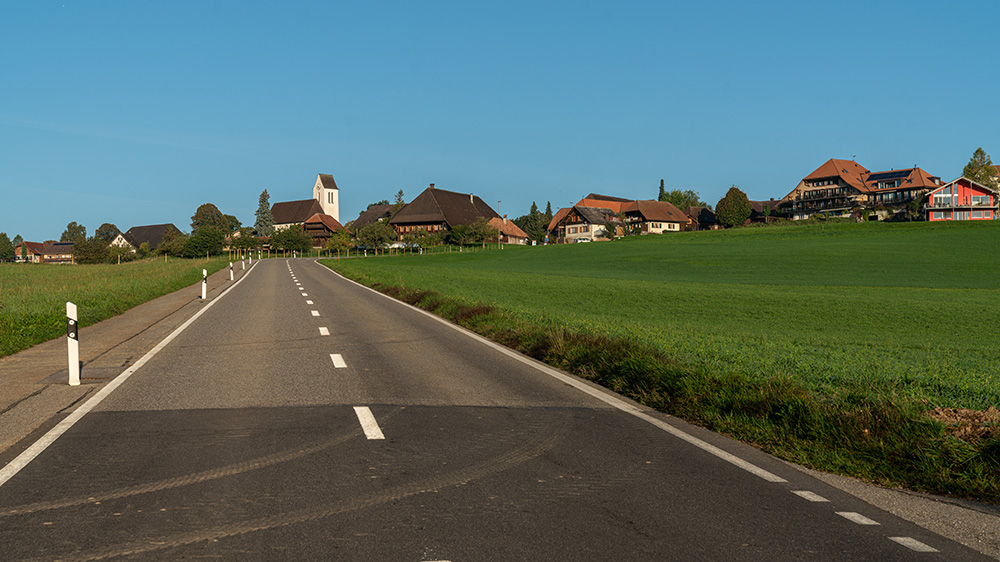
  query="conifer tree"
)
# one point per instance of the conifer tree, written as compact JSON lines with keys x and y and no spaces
{"x":264,"y":224}
{"x":980,"y":169}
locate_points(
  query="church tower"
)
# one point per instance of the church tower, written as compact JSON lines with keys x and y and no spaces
{"x":326,"y":192}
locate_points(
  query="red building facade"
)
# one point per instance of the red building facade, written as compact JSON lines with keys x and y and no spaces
{"x":962,"y":199}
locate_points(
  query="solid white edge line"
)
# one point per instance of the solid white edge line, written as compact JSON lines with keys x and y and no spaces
{"x":609,"y":399}
{"x":338,"y":361}
{"x":913,"y":544}
{"x":811,"y":496}
{"x":36,"y":448}
{"x":856,"y":517}
{"x":368,"y":423}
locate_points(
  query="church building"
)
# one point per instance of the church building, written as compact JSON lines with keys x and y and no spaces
{"x":325,"y":201}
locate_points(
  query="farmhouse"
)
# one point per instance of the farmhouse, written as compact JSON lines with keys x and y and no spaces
{"x":372,"y":215}
{"x":702,"y":218}
{"x":962,"y":199}
{"x":839,"y":186}
{"x":438,"y":210}
{"x":654,"y":217}
{"x":510,"y":233}
{"x":580,"y":223}
{"x":32,"y":252}
{"x":321,"y":227}
{"x":57,"y":252}
{"x":326,"y":201}
{"x":152,"y":235}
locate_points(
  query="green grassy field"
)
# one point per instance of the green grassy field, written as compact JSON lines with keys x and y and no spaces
{"x":33,"y":297}
{"x":903,"y":308}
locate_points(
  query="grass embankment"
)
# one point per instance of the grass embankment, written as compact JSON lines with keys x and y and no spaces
{"x":823,"y":344}
{"x":33,"y":297}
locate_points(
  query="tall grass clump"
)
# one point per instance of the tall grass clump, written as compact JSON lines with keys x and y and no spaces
{"x":33,"y":296}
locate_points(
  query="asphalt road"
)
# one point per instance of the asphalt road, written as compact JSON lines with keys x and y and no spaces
{"x":302,"y":417}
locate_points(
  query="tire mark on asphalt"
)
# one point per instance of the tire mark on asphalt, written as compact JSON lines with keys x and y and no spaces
{"x":524,"y":453}
{"x":189,"y":479}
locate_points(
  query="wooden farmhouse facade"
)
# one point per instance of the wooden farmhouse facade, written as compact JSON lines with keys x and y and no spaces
{"x":439,"y":211}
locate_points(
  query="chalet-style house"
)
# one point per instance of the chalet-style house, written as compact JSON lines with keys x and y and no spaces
{"x":839,"y":186}
{"x":438,"y":210}
{"x":321,"y":227}
{"x":510,"y":233}
{"x":654,"y":217}
{"x":51,"y":252}
{"x":32,"y":252}
{"x":151,"y":235}
{"x":325,"y":201}
{"x":583,"y":224}
{"x":962,"y":199}
{"x":702,"y":218}
{"x":586,"y":220}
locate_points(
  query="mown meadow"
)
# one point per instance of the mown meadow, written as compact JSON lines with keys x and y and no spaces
{"x":810,"y":341}
{"x":33,"y":296}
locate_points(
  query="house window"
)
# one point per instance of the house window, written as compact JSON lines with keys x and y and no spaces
{"x":980,"y":199}
{"x":937,"y":215}
{"x":977,"y":214}
{"x":585,"y":228}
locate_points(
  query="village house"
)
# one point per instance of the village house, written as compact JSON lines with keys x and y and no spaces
{"x":29,"y":252}
{"x":962,"y":199}
{"x":838,"y":187}
{"x":57,"y":252}
{"x":439,"y":211}
{"x":583,"y":224}
{"x":654,"y":217}
{"x":510,"y":233}
{"x":372,"y":215}
{"x":320,"y":227}
{"x":586,"y":220}
{"x":152,"y":235}
{"x":702,"y":218}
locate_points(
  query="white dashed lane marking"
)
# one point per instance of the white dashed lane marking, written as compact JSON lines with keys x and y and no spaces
{"x":338,"y":361}
{"x":857,"y":518}
{"x":811,"y":496}
{"x":305,"y":294}
{"x":314,"y":312}
{"x":368,"y":423}
{"x":913,"y":544}
{"x":324,"y":331}
{"x":309,"y":302}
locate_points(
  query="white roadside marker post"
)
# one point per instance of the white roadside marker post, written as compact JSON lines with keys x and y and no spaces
{"x":73,"y":341}
{"x":244,"y":262}
{"x":204,"y":283}
{"x":251,"y":258}
{"x":230,"y":271}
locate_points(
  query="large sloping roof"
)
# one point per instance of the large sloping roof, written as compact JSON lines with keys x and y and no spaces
{"x":852,"y":173}
{"x":372,"y":215}
{"x":560,"y":214}
{"x":595,"y":215}
{"x":289,"y":212}
{"x":150,"y":234}
{"x":603,"y":202}
{"x":702,"y":215}
{"x":508,"y":227}
{"x":908,"y":178}
{"x":650,"y":210}
{"x":327,"y":221}
{"x":57,"y":248}
{"x":440,"y":206}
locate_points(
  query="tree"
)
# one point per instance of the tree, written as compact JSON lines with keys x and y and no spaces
{"x":339,"y":241}
{"x":91,"y":250}
{"x":291,"y":239}
{"x":244,"y":239}
{"x":380,"y":202}
{"x":663,"y":193}
{"x":683,"y":199}
{"x":234,"y":224}
{"x":264,"y":223}
{"x":734,"y":208}
{"x":73,"y":233}
{"x":173,"y":243}
{"x":980,"y":169}
{"x":24,"y":247}
{"x":482,"y":230}
{"x":398,"y":203}
{"x":6,"y":248}
{"x":460,"y":234}
{"x":209,"y":215}
{"x":207,"y":240}
{"x":533,"y":224}
{"x":107,"y":232}
{"x":376,"y":234}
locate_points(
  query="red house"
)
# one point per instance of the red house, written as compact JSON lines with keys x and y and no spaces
{"x":962,"y":199}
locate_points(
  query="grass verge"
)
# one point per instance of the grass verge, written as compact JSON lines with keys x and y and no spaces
{"x":866,"y":432}
{"x":33,"y":297}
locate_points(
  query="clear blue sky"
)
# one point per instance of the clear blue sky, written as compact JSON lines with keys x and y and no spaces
{"x":137,"y":112}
